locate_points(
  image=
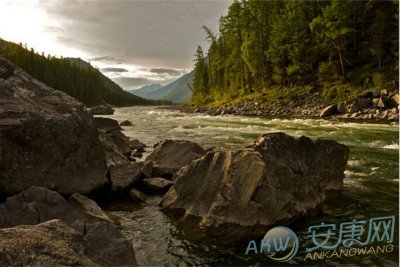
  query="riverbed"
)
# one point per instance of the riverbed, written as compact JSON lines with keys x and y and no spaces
{"x":370,"y":187}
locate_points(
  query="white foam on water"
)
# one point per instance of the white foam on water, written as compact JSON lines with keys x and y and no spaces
{"x":348,"y":173}
{"x":392,"y":146}
{"x":354,"y":163}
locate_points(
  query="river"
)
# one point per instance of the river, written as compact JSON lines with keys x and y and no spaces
{"x":370,"y":187}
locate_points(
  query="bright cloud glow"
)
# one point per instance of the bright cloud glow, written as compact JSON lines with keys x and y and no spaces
{"x":25,"y":22}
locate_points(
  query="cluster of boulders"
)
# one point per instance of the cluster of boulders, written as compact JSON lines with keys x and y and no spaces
{"x":247,"y":190}
{"x":119,"y":149}
{"x":155,"y":175}
{"x":258,"y":108}
{"x":49,"y":141}
{"x":38,"y":227}
{"x":369,"y":105}
{"x":383,"y":106}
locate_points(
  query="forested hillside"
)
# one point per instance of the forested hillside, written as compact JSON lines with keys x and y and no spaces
{"x":269,"y":49}
{"x":73,"y":76}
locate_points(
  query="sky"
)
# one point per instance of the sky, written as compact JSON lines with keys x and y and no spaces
{"x":133,"y":42}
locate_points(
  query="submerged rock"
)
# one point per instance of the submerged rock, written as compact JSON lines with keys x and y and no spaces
{"x":247,"y":190}
{"x":136,"y":145}
{"x":126,"y":123}
{"x":106,"y":124}
{"x":46,"y":138}
{"x":170,"y":155}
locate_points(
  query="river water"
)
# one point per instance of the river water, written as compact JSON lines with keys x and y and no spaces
{"x":371,"y":187}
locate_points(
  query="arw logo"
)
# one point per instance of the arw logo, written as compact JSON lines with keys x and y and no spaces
{"x":280,"y":244}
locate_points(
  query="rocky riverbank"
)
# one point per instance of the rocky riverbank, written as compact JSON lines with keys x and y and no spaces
{"x":369,"y":106}
{"x":53,"y":153}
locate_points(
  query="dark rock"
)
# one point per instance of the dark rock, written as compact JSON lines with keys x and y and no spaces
{"x":137,"y":196}
{"x":384,"y":102}
{"x":137,"y":154}
{"x":355,"y":107}
{"x":102,"y":110}
{"x":328,"y":111}
{"x":6,"y":69}
{"x":113,"y":155}
{"x":46,"y":138}
{"x":86,"y":209}
{"x":106,"y":124}
{"x":33,"y":206}
{"x":124,"y":176}
{"x":106,"y":246}
{"x":341,"y":108}
{"x":368,"y":94}
{"x":364,"y":102}
{"x":121,"y":142}
{"x":241,"y":191}
{"x":171,"y":155}
{"x":147,"y":169}
{"x":51,"y":243}
{"x":136,"y":144}
{"x":126,"y":123}
{"x":157,"y":185}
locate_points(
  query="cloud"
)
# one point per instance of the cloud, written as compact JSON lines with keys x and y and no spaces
{"x":102,"y":58}
{"x":171,"y":72}
{"x":113,"y":70}
{"x":145,"y":33}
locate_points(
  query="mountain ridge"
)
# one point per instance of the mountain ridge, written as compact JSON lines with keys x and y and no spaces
{"x":179,"y":91}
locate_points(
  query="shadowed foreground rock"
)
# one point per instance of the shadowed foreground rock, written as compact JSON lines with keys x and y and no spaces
{"x":276,"y":180}
{"x":76,"y":232}
{"x":46,"y":138}
{"x":51,"y":243}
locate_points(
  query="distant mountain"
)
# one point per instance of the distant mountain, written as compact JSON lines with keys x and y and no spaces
{"x":84,"y":64}
{"x":146,"y":91}
{"x":179,"y":91}
{"x":74,"y":76}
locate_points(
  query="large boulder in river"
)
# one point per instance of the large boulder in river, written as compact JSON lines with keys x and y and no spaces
{"x":170,"y":155}
{"x":105,"y":109}
{"x":46,"y":138}
{"x":247,"y":190}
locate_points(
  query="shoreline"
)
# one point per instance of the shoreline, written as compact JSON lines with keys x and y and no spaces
{"x":377,"y":116}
